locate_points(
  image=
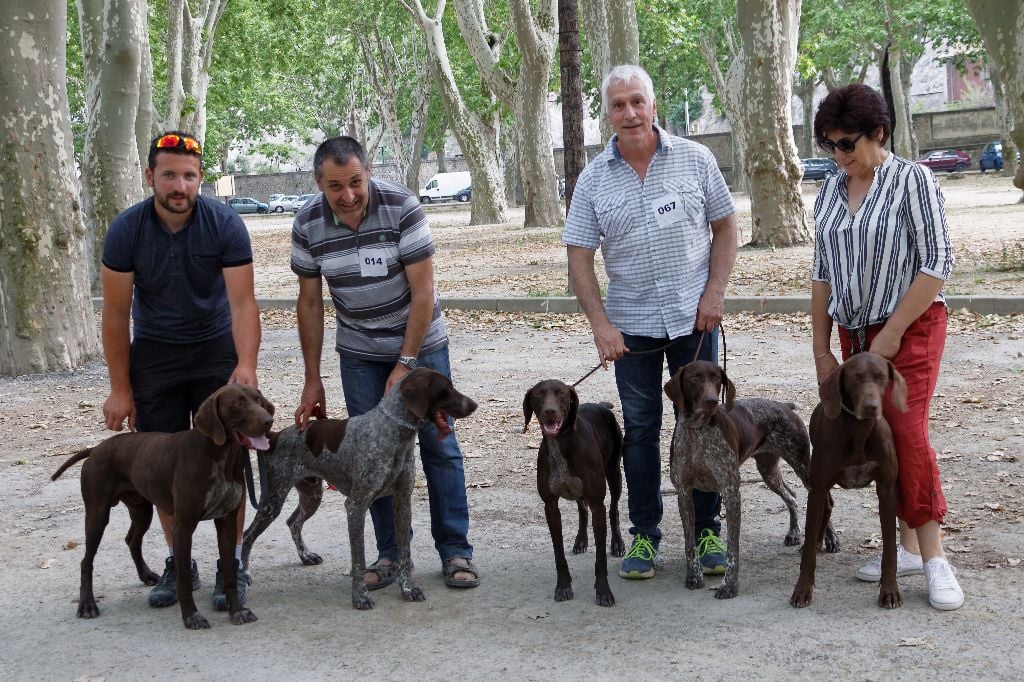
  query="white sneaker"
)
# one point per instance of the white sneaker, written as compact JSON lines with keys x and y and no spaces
{"x":944,"y":591}
{"x":906,"y":564}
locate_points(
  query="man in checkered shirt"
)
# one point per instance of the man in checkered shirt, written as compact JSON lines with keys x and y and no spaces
{"x":658,"y":207}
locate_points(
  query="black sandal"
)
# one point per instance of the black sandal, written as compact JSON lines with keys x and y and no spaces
{"x":386,"y":574}
{"x":449,"y":568}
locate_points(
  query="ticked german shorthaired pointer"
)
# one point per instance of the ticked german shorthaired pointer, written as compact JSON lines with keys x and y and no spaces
{"x":195,"y":475}
{"x":581,"y":451}
{"x":852,"y":447}
{"x":365,"y":457}
{"x":710,"y":444}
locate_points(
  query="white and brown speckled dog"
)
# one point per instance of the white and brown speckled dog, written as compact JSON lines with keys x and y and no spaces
{"x":710,"y":444}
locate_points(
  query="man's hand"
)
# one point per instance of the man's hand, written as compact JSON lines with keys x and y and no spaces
{"x":609,"y":343}
{"x":118,"y":407}
{"x":397,"y":374}
{"x":244,"y":375}
{"x":886,"y":343}
{"x":312,"y":404}
{"x":709,"y":311}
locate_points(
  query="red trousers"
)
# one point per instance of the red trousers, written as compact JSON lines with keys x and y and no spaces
{"x":920,"y":488}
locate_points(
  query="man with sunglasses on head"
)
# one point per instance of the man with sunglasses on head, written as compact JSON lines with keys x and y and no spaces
{"x":179,"y":266}
{"x":661,"y":213}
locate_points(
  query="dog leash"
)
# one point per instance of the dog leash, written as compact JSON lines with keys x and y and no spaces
{"x":661,"y":349}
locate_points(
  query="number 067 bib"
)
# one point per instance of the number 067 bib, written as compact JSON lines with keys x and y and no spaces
{"x":667,"y":209}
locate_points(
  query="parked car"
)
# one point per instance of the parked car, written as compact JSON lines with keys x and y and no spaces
{"x":300,"y":201}
{"x":818,"y":168}
{"x":464,"y":195}
{"x":992,"y":157}
{"x":947,"y":160}
{"x":248,"y":205}
{"x":283,"y":202}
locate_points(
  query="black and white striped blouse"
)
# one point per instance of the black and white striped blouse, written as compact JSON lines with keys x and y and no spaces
{"x":869,"y":259}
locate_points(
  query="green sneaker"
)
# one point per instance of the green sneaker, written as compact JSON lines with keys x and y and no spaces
{"x":711,"y":552}
{"x":639,"y":562}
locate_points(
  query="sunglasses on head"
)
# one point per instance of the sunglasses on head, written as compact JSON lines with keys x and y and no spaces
{"x":172,"y":141}
{"x":846,"y":144}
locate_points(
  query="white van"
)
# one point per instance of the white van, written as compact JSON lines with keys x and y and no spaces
{"x":444,"y":186}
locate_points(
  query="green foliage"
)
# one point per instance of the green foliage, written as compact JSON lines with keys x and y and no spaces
{"x":668,"y":51}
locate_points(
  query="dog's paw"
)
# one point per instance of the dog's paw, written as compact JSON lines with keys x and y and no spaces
{"x":196,"y":622}
{"x":890,"y":598}
{"x":148,"y":577}
{"x":793,"y":538}
{"x":605,"y":598}
{"x":727,"y":591}
{"x":88,"y":609}
{"x":413,"y":593}
{"x":310,"y":558}
{"x":802,"y":595}
{"x":362,"y":602}
{"x":243,"y":616}
{"x":694,"y":581}
{"x":618,"y":547}
{"x":563,"y":593}
{"x":831,"y":542}
{"x":580,"y":546}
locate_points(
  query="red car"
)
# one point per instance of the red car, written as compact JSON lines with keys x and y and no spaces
{"x":947,"y":160}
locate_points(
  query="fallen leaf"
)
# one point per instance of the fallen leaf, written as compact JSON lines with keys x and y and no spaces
{"x":70,"y":544}
{"x":1013,"y":563}
{"x":917,"y":641}
{"x":45,"y":563}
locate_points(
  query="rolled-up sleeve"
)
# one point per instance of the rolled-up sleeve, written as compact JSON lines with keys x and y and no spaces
{"x":928,"y":217}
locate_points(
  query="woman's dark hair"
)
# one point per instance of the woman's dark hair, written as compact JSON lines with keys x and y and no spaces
{"x":855,"y":108}
{"x":340,"y":150}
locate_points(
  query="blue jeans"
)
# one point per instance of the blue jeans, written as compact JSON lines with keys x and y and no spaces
{"x":639,"y":379}
{"x":363,"y":383}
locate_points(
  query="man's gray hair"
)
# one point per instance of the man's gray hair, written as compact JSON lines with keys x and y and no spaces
{"x":625,"y":73}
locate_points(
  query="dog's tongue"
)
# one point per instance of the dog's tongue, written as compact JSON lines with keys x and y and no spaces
{"x":256,"y":442}
{"x":441,"y":422}
{"x":551,"y":429}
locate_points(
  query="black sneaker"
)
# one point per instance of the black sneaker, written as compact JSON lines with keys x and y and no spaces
{"x":166,"y":591}
{"x":220,"y":600}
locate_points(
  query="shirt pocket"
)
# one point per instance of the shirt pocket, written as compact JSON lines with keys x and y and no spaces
{"x":691,"y":196}
{"x":613,"y":216}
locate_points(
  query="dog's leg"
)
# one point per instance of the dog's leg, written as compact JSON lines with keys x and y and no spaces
{"x":803,"y":592}
{"x":184,"y":527}
{"x":888,"y":591}
{"x":694,"y":574}
{"x":227,"y":531}
{"x":730,"y":583}
{"x":768,"y":467}
{"x":580,"y":545}
{"x":97,"y":515}
{"x":269,"y":509}
{"x":563,"y":584}
{"x":356,"y":510}
{"x":614,"y":477}
{"x":400,"y":503}
{"x":141,"y":512}
{"x":601,"y":586}
{"x":829,"y":536}
{"x":311,"y":493}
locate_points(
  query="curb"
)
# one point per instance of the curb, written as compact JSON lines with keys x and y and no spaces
{"x":981,"y":305}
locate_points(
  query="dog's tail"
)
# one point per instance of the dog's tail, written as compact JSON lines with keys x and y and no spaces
{"x":77,"y":457}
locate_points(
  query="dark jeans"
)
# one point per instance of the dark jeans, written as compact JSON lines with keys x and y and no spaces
{"x":363,"y":383}
{"x":171,"y":380}
{"x":640,"y":380}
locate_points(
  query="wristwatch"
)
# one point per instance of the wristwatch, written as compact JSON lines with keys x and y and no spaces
{"x":409,"y":361}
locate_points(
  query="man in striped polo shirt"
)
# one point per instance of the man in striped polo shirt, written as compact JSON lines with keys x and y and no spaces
{"x":370,"y":240}
{"x":647,"y":201}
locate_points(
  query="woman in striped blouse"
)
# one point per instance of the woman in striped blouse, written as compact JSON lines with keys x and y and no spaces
{"x":881,"y":256}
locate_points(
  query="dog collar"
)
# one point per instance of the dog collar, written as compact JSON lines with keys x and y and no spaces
{"x":398,"y":420}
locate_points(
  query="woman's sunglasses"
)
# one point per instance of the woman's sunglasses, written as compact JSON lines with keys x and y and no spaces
{"x":172,"y":141}
{"x":846,"y":144}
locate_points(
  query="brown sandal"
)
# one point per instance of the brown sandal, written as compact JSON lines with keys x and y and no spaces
{"x":450,"y":568}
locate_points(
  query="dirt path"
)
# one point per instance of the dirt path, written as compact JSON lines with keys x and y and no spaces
{"x":510,"y":627}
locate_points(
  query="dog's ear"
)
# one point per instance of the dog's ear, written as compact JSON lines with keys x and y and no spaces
{"x":574,"y":405}
{"x":674,"y":390}
{"x":830,"y":393}
{"x":416,"y":390}
{"x":207,"y":420}
{"x":728,"y":390}
{"x":527,"y":409}
{"x":899,"y":389}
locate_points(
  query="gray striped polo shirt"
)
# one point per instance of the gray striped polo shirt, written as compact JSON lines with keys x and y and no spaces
{"x":869,"y":259}
{"x":371,"y":310}
{"x":654,"y":234}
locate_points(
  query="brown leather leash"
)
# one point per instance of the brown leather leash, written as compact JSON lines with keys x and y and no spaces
{"x":666,"y":347}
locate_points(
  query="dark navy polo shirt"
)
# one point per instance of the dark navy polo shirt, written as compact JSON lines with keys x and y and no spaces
{"x":179,"y":296}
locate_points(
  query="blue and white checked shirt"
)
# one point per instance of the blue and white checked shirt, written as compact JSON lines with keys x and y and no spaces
{"x":657,"y":265}
{"x":869,"y":259}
